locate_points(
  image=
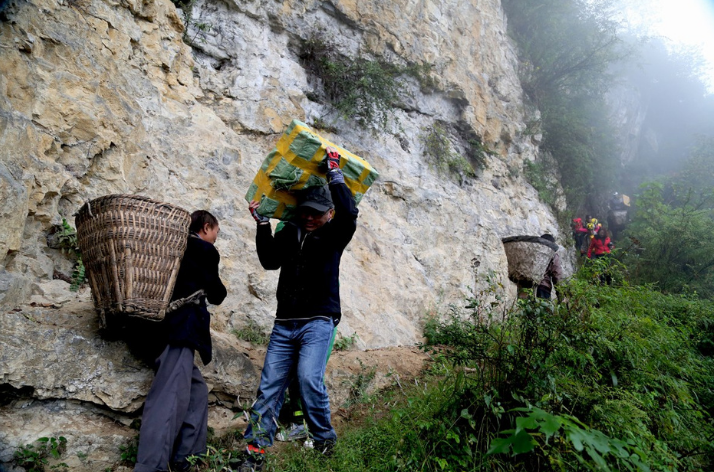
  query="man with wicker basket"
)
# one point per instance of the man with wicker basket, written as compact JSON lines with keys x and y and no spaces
{"x":307,"y":251}
{"x":175,"y":417}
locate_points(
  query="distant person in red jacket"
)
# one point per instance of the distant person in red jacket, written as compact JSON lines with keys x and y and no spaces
{"x":600,"y":245}
{"x":580,"y":233}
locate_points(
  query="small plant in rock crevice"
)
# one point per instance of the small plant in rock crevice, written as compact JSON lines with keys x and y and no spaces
{"x":439,"y":150}
{"x":129,"y":451}
{"x":66,"y":239}
{"x":345,"y":343}
{"x":35,"y":457}
{"x":364,"y":89}
{"x":478,"y":152}
{"x":253,"y":333}
{"x":186,"y":8}
{"x":321,"y":124}
{"x":535,"y":173}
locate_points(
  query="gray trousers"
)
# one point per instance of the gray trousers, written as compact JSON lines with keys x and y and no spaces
{"x":175,"y":418}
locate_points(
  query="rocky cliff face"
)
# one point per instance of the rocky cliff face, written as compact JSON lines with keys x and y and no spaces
{"x":105,"y":96}
{"x":629,"y":111}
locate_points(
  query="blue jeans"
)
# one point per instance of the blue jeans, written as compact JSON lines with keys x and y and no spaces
{"x":300,"y":348}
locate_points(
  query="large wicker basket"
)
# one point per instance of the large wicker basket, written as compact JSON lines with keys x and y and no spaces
{"x":131,"y":248}
{"x":528,"y":257}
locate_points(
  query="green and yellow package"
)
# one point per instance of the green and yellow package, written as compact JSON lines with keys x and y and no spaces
{"x":296,"y":164}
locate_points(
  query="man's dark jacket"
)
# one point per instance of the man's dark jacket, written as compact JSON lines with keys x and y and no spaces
{"x":189,"y":325}
{"x":309,"y":263}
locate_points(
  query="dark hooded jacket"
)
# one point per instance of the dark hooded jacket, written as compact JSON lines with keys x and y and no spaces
{"x":309,"y":263}
{"x":189,"y":325}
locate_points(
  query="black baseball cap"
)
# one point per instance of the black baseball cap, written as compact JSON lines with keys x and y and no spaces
{"x":317,"y":198}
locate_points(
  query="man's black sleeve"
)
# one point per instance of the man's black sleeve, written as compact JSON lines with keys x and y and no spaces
{"x":344,"y":224}
{"x":267,"y":247}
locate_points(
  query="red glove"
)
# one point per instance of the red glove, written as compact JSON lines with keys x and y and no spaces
{"x":334,"y":173}
{"x":333,"y":158}
{"x":253,"y":208}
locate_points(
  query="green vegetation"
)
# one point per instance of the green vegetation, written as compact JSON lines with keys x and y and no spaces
{"x":253,"y":333}
{"x":438,"y":149}
{"x":671,"y":237}
{"x":67,"y":241}
{"x":128,"y":452}
{"x":567,"y":49}
{"x":35,"y":457}
{"x":613,"y":377}
{"x":345,"y":343}
{"x":477,"y":151}
{"x":218,"y":459}
{"x":538,"y":177}
{"x":186,"y":9}
{"x":362,"y":89}
{"x":319,"y":123}
{"x":359,"y":383}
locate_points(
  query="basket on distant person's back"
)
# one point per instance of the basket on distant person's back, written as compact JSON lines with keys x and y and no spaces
{"x":618,"y":217}
{"x":528,"y":257}
{"x":132,"y":248}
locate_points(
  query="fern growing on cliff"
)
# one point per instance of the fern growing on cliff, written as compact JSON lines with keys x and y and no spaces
{"x":67,"y":242}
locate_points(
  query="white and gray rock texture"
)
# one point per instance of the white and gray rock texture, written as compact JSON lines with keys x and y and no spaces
{"x":105,"y":96}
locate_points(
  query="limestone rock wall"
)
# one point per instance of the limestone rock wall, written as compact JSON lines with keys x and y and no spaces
{"x":105,"y":96}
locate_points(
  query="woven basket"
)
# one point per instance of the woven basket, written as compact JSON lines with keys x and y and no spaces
{"x":131,"y":248}
{"x":528,"y":257}
{"x":617,"y":217}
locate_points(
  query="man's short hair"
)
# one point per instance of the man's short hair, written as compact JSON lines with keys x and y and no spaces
{"x":201,"y":218}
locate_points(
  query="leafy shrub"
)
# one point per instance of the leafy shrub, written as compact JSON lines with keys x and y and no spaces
{"x":363,"y":89}
{"x":344,"y":344}
{"x":34,"y":457}
{"x":625,"y":360}
{"x":253,"y":333}
{"x":568,"y":432}
{"x":613,"y":378}
{"x":673,"y":244}
{"x":439,"y":150}
{"x":129,"y":451}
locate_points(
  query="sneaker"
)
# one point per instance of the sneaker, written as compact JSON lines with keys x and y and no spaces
{"x":292,"y":433}
{"x":254,"y":459}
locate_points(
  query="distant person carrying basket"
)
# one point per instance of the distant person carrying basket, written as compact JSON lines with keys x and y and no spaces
{"x":553,"y":273}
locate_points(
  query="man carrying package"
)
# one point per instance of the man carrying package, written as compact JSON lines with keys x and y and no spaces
{"x":307,"y":251}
